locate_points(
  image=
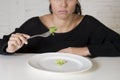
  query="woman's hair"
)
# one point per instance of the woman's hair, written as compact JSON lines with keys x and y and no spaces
{"x":77,"y":9}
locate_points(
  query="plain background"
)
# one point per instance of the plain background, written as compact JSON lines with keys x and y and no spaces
{"x":13,"y":13}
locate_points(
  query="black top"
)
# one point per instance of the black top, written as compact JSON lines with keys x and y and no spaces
{"x":100,"y":40}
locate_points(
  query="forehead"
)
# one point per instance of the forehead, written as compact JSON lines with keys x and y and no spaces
{"x":63,"y":0}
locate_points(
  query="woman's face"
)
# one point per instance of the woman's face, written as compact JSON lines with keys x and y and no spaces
{"x":63,"y":8}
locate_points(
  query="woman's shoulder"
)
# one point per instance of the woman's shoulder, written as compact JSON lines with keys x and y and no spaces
{"x":89,"y":17}
{"x":45,"y":20}
{"x":34,"y":18}
{"x":37,"y":17}
{"x":45,"y":17}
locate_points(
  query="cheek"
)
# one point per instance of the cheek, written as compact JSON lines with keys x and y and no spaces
{"x":54,"y":7}
{"x":71,"y":8}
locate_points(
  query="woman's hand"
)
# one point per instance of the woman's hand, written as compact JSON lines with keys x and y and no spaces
{"x":16,"y":41}
{"x":75,"y":50}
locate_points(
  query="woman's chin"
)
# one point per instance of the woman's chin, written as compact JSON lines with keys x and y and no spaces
{"x":62,"y":16}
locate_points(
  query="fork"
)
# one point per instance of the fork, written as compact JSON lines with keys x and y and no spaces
{"x":46,"y":34}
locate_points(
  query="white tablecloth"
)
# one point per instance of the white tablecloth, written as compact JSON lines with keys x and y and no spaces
{"x":16,"y":67}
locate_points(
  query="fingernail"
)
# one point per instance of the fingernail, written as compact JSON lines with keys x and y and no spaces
{"x":28,"y":36}
{"x":26,"y":42}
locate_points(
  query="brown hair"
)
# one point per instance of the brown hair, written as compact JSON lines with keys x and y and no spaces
{"x":77,"y":9}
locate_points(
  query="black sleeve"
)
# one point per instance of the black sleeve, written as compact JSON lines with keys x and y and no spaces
{"x":3,"y":44}
{"x":103,"y":41}
{"x":25,"y":28}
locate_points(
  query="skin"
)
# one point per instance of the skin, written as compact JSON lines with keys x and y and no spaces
{"x":16,"y":41}
{"x":65,"y":21}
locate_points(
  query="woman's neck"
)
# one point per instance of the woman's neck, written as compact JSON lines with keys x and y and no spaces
{"x":63,"y":25}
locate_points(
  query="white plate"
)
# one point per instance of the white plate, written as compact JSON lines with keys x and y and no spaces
{"x":46,"y":62}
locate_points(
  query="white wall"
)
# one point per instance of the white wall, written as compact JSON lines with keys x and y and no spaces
{"x":13,"y":13}
{"x":107,"y":11}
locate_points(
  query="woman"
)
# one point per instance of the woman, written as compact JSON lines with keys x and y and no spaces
{"x":76,"y":33}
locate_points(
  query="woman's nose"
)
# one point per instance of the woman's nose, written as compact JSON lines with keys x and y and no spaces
{"x":64,"y":3}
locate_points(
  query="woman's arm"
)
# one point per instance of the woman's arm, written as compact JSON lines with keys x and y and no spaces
{"x":103,"y":41}
{"x":5,"y":42}
{"x":83,"y":51}
{"x":16,"y":41}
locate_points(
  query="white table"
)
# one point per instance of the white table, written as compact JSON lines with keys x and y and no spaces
{"x":16,"y":67}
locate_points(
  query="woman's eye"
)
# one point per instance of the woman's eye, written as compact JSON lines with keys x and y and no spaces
{"x":70,"y":0}
{"x":57,"y":0}
{"x":61,"y":0}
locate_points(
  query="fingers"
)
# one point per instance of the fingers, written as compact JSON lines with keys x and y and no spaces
{"x":16,"y":41}
{"x":20,"y":38}
{"x":12,"y":45}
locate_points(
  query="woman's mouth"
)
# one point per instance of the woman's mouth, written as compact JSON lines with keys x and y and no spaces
{"x":63,"y":11}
